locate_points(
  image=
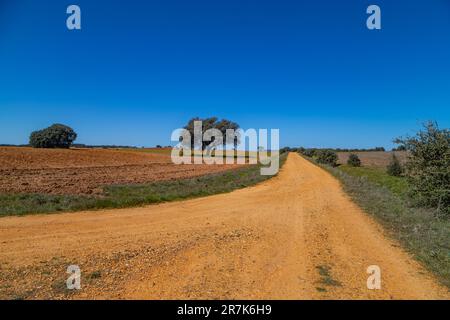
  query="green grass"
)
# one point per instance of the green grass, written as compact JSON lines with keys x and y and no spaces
{"x":397,"y":185}
{"x":122,"y":196}
{"x":419,"y":230}
{"x":326,"y":278}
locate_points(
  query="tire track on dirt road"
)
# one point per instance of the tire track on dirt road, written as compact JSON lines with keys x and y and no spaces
{"x":295,"y":236}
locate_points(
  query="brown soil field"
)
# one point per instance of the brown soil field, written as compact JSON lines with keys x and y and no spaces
{"x":295,"y":236}
{"x":85,"y":171}
{"x":373,"y":158}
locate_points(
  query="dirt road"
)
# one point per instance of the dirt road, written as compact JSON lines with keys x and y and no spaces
{"x":296,"y":236}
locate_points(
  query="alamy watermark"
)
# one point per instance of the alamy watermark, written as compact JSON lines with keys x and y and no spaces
{"x":374,"y":20}
{"x":374,"y":280}
{"x":73,"y":21}
{"x":212,"y":146}
{"x":73,"y":282}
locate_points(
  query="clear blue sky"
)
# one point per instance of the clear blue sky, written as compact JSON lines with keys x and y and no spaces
{"x":139,"y":69}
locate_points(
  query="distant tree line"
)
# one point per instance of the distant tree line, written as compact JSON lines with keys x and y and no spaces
{"x":359,"y":149}
{"x":302,"y":149}
{"x":14,"y":145}
{"x":87,"y":146}
{"x":102,"y":146}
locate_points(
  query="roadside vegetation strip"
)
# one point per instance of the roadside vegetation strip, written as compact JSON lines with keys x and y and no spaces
{"x":121,"y":196}
{"x":419,"y":230}
{"x":397,"y":185}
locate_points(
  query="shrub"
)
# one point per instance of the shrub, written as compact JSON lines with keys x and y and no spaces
{"x":399,"y":148}
{"x":327,"y":157}
{"x":282,"y":150}
{"x":394,"y":168}
{"x":55,"y":136}
{"x":428,"y":166}
{"x":309,"y":153}
{"x":353,"y":160}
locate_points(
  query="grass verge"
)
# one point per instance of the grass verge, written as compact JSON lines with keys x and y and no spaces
{"x":122,"y":196}
{"x":419,"y":231}
{"x":397,"y":185}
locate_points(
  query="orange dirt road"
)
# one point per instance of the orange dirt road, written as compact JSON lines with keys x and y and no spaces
{"x":295,"y":236}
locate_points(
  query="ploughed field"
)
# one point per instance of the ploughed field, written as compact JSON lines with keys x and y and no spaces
{"x":86,"y":171}
{"x":375,"y":159}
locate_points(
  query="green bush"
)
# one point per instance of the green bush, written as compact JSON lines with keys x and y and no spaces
{"x":428,"y":167}
{"x":353,"y":160}
{"x":55,"y":136}
{"x":309,"y":153}
{"x":399,"y":148}
{"x":394,"y":168}
{"x":328,"y":157}
{"x":285,"y":149}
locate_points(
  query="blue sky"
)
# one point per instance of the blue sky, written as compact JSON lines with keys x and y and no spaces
{"x":139,"y":69}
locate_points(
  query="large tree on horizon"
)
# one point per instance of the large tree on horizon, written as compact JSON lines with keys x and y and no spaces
{"x":213,"y":123}
{"x":55,"y":136}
